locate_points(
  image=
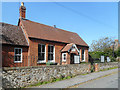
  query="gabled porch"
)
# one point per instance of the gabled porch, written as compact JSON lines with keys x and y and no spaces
{"x":70,"y":54}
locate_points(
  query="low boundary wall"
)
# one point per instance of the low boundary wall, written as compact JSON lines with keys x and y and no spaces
{"x":23,"y":76}
{"x":14,"y":77}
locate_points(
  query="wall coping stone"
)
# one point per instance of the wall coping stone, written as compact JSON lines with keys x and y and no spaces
{"x":50,"y":66}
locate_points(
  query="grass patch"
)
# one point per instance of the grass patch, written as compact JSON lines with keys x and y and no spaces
{"x":84,"y":63}
{"x":109,"y":68}
{"x":85,"y":74}
{"x":51,"y":81}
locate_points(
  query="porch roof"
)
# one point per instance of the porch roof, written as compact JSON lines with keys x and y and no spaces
{"x":67,"y":47}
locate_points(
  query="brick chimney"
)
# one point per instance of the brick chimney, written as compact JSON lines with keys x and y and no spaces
{"x":22,"y":10}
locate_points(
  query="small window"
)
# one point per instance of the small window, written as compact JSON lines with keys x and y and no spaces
{"x":64,"y":56}
{"x":83,"y":54}
{"x":41,"y":52}
{"x":79,"y":51}
{"x":50,"y":52}
{"x":18,"y":55}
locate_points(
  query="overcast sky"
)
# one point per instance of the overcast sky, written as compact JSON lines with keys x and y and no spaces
{"x":91,"y":20}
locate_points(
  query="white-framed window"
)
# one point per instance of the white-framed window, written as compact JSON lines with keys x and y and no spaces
{"x":17,"y":55}
{"x":83,"y":55}
{"x":51,"y":52}
{"x":79,"y":51}
{"x":64,"y":57}
{"x":41,"y":53}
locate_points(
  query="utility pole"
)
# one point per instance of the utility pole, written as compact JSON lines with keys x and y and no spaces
{"x":113,"y":48}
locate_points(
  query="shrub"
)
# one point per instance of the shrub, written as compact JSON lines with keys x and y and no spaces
{"x":51,"y":63}
{"x":113,"y":59}
{"x":92,"y":68}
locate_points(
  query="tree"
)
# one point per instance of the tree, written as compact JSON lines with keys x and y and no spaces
{"x":117,"y":52}
{"x":103,"y":47}
{"x":102,"y":44}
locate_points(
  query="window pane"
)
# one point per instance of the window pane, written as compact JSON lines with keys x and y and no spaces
{"x":38,"y":56}
{"x":19,"y":51}
{"x":51,"y":48}
{"x":39,"y":48}
{"x":83,"y":54}
{"x":64,"y":57}
{"x":48,"y":56}
{"x":82,"y":51}
{"x":42,"y":56}
{"x":43,"y":48}
{"x":83,"y":57}
{"x":51,"y":56}
{"x":48,"y":48}
{"x":16,"y":51}
{"x":15,"y":58}
{"x":19,"y":58}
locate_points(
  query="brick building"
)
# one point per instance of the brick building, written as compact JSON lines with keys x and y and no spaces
{"x":31,"y":43}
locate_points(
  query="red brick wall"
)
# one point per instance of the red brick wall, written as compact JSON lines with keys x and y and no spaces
{"x":8,"y":56}
{"x":86,"y":53}
{"x":33,"y":49}
{"x":30,"y":54}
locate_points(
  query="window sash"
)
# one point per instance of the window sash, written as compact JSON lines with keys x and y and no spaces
{"x":18,"y":54}
{"x":50,"y":52}
{"x":83,"y":55}
{"x":64,"y":56}
{"x":41,"y":51}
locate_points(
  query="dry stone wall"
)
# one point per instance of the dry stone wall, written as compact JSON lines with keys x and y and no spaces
{"x":23,"y":76}
{"x":102,"y":66}
{"x":13,"y":77}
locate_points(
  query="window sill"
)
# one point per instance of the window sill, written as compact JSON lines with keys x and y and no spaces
{"x":83,"y":61}
{"x":41,"y":62}
{"x":51,"y":61}
{"x":63,"y":61}
{"x":17,"y":61}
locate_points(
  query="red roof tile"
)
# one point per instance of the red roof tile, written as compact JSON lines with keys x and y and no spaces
{"x":67,"y":47}
{"x":41,"y":31}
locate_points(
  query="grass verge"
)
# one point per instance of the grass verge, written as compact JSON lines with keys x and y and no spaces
{"x":51,"y":81}
{"x":108,"y":68}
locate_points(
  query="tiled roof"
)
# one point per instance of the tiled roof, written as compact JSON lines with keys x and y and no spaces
{"x":67,"y":47}
{"x":12,"y":34}
{"x":41,"y":31}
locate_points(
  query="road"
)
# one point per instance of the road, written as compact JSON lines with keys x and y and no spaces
{"x":108,"y":81}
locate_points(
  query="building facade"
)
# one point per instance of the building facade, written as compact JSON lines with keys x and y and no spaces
{"x":41,"y":44}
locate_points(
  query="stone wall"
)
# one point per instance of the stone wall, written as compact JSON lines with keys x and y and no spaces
{"x":102,"y":66}
{"x":13,"y":77}
{"x":23,"y":76}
